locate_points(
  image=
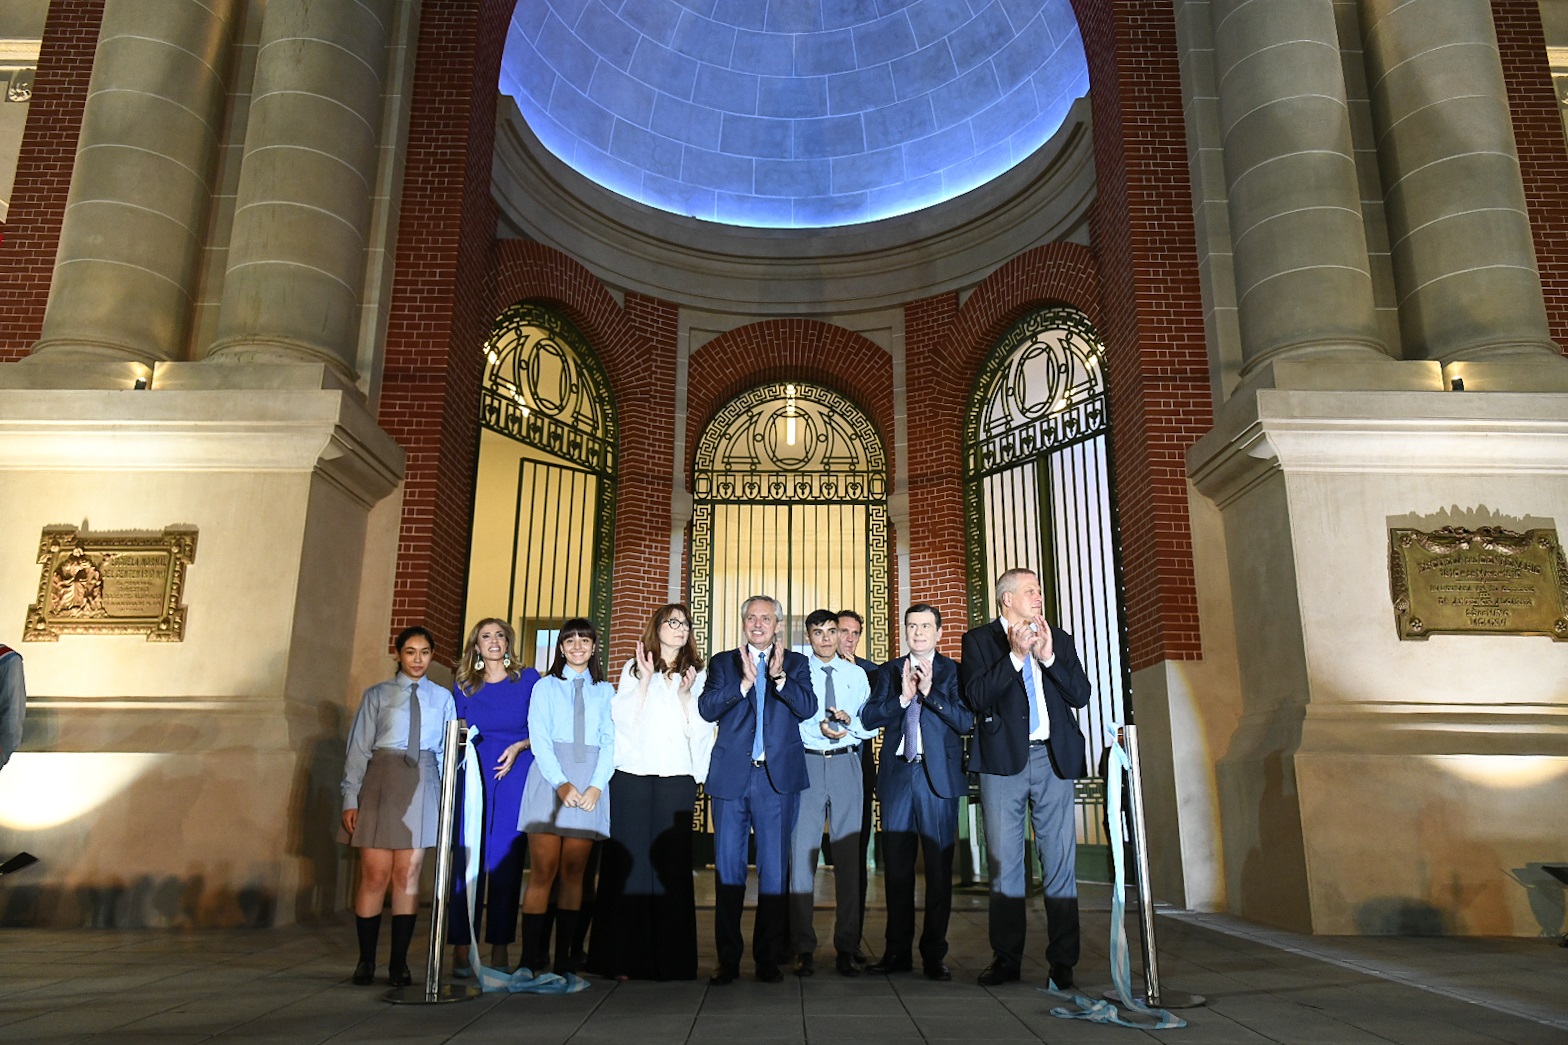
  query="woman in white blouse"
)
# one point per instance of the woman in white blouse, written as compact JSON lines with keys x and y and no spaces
{"x":645,"y":917}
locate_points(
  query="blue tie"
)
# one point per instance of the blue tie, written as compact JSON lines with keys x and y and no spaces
{"x":758,"y":695}
{"x":1034,"y":712}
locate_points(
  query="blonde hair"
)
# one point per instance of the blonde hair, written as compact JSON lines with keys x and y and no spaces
{"x":471,"y":666}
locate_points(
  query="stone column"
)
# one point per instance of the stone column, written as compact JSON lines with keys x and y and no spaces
{"x":296,"y":270}
{"x":1303,"y":279}
{"x":130,"y":246}
{"x":1464,"y":260}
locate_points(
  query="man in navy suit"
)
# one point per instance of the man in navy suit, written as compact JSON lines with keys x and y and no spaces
{"x":920,"y":781}
{"x":1022,"y":679}
{"x":758,"y":694}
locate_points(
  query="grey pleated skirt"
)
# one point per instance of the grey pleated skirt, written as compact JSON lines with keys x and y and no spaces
{"x":399,"y":804}
{"x":542,"y":808}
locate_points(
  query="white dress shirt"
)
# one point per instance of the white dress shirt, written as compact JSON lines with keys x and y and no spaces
{"x":656,"y":732}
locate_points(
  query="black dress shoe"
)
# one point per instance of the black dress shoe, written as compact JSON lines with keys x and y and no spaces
{"x":845,"y":964}
{"x":892,"y":963}
{"x":937,"y":971}
{"x":769,"y":973}
{"x":399,"y":977}
{"x":1062,"y":977}
{"x":364,"y":974}
{"x":723,"y":976}
{"x":805,"y":964}
{"x":860,"y":959}
{"x":998,"y":972}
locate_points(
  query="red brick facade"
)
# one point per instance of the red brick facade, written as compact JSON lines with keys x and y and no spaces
{"x":945,"y":346}
{"x":636,"y":346}
{"x":1139,"y":281}
{"x":1145,"y":247}
{"x":1543,"y":159}
{"x":43,"y":172}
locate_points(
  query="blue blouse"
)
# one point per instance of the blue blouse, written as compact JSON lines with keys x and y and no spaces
{"x":550,"y":722}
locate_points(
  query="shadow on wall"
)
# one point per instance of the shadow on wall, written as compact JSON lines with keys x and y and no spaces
{"x":314,"y":811}
{"x":1273,"y":875}
{"x":1547,"y":895}
{"x":146,"y":902}
{"x":1400,"y":916}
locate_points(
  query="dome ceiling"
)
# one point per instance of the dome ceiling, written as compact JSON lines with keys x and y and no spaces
{"x":793,"y":113}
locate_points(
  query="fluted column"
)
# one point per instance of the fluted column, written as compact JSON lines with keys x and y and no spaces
{"x":1303,"y":279}
{"x":296,"y":267}
{"x":130,"y":245}
{"x":1464,"y":260}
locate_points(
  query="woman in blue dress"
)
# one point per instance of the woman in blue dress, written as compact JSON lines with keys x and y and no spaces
{"x":493,"y":692}
{"x":565,"y":809}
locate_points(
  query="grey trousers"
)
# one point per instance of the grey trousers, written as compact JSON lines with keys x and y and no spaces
{"x":833,"y":793}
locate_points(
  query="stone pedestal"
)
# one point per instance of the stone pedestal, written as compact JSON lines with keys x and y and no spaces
{"x":1374,"y":785}
{"x":195,"y":783}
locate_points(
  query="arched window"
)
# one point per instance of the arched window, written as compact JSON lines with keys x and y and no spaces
{"x":1037,"y":493}
{"x":544,"y":495}
{"x":790,"y":492}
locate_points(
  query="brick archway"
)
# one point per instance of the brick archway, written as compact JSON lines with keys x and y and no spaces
{"x":788,"y":349}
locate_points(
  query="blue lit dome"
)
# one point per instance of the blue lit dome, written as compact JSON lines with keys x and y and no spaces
{"x":793,"y":113}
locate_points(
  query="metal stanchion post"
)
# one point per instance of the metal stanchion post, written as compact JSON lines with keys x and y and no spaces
{"x":434,"y":992}
{"x":1154,"y":995}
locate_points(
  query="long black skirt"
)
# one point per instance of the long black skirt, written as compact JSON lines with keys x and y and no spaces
{"x":645,"y":917}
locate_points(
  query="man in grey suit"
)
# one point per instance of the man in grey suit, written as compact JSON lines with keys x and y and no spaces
{"x":832,"y":739}
{"x":1022,"y":679}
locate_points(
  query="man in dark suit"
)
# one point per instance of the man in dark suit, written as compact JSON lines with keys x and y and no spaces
{"x":920,"y":781}
{"x":758,"y":695}
{"x":850,"y":625}
{"x":1022,"y":679}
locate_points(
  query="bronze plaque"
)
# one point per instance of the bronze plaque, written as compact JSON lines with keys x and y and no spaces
{"x":1487,"y":581}
{"x":111,"y":584}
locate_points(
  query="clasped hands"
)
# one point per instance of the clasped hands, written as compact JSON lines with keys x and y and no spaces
{"x":916,"y":680}
{"x":572,"y":798}
{"x":1032,"y":638}
{"x":836,"y":717}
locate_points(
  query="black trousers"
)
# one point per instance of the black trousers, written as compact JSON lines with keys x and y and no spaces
{"x":917,"y":821}
{"x":645,"y":915}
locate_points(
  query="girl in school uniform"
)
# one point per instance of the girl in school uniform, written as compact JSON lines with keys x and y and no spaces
{"x":565,"y":809}
{"x":392,"y":798}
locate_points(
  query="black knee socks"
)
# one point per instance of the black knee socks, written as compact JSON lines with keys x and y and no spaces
{"x":402,"y":934}
{"x":368,"y":931}
{"x":565,"y":941}
{"x":535,"y":946}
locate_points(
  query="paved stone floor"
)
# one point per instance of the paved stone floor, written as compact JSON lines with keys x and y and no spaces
{"x":291,"y":986}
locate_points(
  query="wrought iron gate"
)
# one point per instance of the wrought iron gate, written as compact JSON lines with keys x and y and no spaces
{"x":1038,"y":494}
{"x":544,"y":496}
{"x":790,"y":491}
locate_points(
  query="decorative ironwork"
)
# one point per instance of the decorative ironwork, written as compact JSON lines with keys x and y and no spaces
{"x":111,"y":584}
{"x":544,"y":388}
{"x":1042,"y":387}
{"x":796,"y":474}
{"x":1038,"y":492}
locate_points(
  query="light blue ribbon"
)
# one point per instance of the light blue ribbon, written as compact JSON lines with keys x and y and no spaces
{"x":1098,"y":1010}
{"x":523,"y":981}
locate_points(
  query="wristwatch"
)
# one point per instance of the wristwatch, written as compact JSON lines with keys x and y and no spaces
{"x":778,"y":678}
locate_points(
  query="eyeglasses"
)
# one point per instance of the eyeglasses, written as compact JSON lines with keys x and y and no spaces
{"x":677,"y":623}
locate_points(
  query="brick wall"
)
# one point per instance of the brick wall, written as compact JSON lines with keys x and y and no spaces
{"x":788,"y":350}
{"x":1141,"y":229}
{"x":43,"y":172}
{"x":437,"y":318}
{"x":1543,"y":156}
{"x":636,"y":346}
{"x":945,"y":346}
